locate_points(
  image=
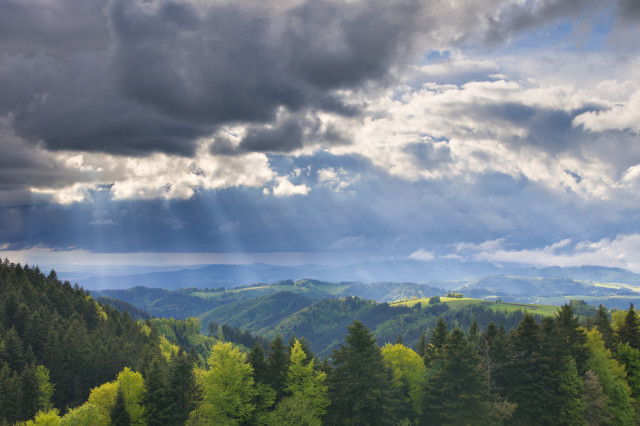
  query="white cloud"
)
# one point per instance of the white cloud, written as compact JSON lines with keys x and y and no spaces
{"x":284,"y":188}
{"x":157,"y":176}
{"x":335,"y":180}
{"x":621,"y":251}
{"x":422,"y":254}
{"x":621,"y":116}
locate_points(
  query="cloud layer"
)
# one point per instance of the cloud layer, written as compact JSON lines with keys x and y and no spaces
{"x":403,"y":127}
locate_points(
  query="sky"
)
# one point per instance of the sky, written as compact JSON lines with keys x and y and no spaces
{"x":310,"y":131}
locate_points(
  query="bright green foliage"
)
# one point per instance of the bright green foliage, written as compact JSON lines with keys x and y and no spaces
{"x":45,"y":418}
{"x":46,"y":388}
{"x":304,"y":345}
{"x":103,"y":397}
{"x":132,"y":385}
{"x":227,"y":386}
{"x":303,"y":383}
{"x":409,"y":374}
{"x":455,"y":393}
{"x":611,"y":376}
{"x":294,"y":411}
{"x":360,"y":384}
{"x":85,"y":415}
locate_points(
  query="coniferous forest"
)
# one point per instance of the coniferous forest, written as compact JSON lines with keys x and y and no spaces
{"x":66,"y":359}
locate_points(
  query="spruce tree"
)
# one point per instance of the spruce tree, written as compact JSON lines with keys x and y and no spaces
{"x":603,"y":323}
{"x":422,"y":347}
{"x":182,"y":390}
{"x":455,"y":393}
{"x":278,"y":363}
{"x":629,"y":332}
{"x":360,"y":384}
{"x":572,"y":336}
{"x":526,"y":373}
{"x":436,"y":341}
{"x":258,"y":362}
{"x":119,"y":415}
{"x":157,"y":407}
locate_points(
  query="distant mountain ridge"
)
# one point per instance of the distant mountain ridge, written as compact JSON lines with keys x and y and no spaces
{"x":441,"y":273}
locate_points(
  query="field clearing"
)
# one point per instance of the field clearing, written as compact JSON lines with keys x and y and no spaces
{"x":545,"y":310}
{"x":454,"y":302}
{"x":451,"y":301}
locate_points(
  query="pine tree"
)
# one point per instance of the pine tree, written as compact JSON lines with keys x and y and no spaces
{"x":29,"y":392}
{"x":630,"y":358}
{"x":492,"y":348}
{"x":474,"y":333}
{"x":422,"y":347}
{"x":182,"y":390}
{"x":436,"y":341}
{"x":572,"y":336}
{"x":603,"y":323}
{"x":360,"y":384}
{"x":455,"y":393}
{"x":258,"y":362}
{"x":526,"y":373}
{"x":119,"y":415}
{"x":157,"y":407}
{"x":278,"y":363}
{"x":629,"y":332}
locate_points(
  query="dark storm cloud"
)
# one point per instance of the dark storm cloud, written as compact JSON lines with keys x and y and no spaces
{"x":58,"y":28}
{"x":244,"y":64}
{"x":174,"y":71}
{"x":629,"y":9}
{"x":284,"y":138}
{"x":75,"y":105}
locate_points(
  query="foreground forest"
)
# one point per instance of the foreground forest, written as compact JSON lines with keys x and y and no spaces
{"x":66,"y":359}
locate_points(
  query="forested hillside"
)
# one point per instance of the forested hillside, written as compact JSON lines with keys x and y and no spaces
{"x":57,"y":343}
{"x":67,"y":360}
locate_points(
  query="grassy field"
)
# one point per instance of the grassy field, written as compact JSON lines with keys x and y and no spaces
{"x":545,"y":310}
{"x":451,"y":301}
{"x":466,"y":301}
